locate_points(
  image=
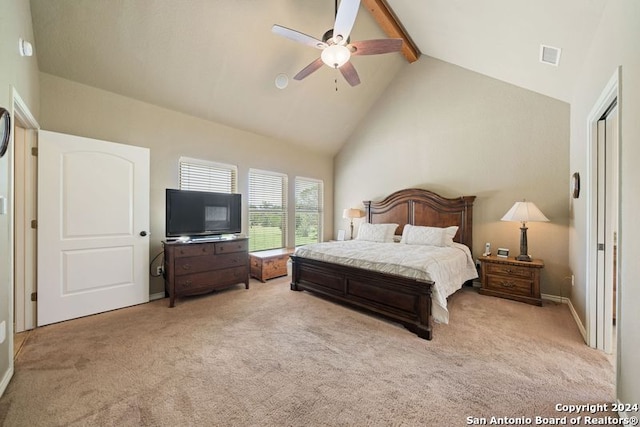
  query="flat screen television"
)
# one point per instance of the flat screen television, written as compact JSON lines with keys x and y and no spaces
{"x":201,"y":214}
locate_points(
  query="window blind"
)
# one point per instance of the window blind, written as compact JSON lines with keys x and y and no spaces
{"x":267,"y":210}
{"x":309,"y":207}
{"x":202,"y":175}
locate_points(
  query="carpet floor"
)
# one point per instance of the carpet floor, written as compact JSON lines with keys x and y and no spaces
{"x":269,"y":356}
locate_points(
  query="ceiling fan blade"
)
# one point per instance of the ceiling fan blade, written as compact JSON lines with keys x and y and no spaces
{"x":309,"y":69}
{"x":350,"y":74}
{"x":376,"y":47}
{"x":345,"y":18}
{"x":297,"y":36}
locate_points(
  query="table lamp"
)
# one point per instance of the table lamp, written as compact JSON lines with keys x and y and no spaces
{"x":524,"y":212}
{"x":350,"y":214}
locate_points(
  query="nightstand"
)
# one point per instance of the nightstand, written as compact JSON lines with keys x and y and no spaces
{"x":512,"y":279}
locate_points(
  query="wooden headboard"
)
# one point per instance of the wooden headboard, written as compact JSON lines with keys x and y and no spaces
{"x":423,"y":207}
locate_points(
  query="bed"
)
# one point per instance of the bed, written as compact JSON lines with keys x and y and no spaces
{"x":374,"y":276}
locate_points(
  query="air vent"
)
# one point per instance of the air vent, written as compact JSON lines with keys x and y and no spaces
{"x":550,"y":55}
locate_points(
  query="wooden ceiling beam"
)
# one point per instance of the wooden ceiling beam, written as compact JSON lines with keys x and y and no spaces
{"x":391,"y":26}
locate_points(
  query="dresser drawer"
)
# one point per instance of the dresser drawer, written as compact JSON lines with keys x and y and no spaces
{"x":197,"y":264}
{"x":232,"y":246}
{"x":510,"y":285}
{"x":189,"y":250}
{"x":201,"y":282}
{"x":509,"y":270}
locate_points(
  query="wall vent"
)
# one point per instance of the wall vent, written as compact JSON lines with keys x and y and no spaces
{"x":550,"y":55}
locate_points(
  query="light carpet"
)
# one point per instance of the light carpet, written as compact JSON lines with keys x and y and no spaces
{"x":269,"y":356}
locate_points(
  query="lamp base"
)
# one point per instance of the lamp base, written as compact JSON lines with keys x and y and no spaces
{"x":524,"y":256}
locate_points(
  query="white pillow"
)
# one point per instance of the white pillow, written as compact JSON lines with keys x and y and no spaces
{"x":431,"y":236}
{"x":382,"y":233}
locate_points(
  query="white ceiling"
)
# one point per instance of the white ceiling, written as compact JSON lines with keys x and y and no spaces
{"x":217,"y":59}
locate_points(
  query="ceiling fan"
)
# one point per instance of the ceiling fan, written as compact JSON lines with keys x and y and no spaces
{"x":336,"y":46}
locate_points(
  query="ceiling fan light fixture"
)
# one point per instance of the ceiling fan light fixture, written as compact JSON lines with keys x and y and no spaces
{"x":335,"y":56}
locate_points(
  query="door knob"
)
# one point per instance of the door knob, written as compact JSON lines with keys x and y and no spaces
{"x":143,"y":233}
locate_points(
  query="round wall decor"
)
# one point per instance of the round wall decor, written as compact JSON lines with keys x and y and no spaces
{"x":575,"y":185}
{"x":5,"y":130}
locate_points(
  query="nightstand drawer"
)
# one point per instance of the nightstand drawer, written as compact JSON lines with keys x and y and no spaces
{"x":509,"y":270}
{"x":510,"y":285}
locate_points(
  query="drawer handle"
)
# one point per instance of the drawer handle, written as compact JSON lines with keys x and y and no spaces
{"x":186,"y":267}
{"x":187,"y":283}
{"x":508,"y":270}
{"x":507,"y":284}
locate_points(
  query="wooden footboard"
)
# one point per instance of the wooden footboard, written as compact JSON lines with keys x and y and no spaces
{"x":406,"y":301}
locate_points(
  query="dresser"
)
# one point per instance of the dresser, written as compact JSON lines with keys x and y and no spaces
{"x":266,"y":265}
{"x":512,"y":279}
{"x":197,"y":267}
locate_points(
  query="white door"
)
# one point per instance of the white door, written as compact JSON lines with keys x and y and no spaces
{"x":607,"y":226}
{"x":93,"y":222}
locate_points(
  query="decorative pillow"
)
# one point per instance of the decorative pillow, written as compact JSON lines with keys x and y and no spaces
{"x":431,"y":236}
{"x":382,"y":233}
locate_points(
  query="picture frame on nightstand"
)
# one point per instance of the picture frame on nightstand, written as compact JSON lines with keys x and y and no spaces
{"x":503,"y":253}
{"x":340,"y":236}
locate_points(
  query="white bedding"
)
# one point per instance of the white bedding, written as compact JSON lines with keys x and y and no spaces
{"x":449,"y":267}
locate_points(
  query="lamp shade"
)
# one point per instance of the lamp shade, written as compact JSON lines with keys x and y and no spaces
{"x":352,"y":213}
{"x":524,"y":212}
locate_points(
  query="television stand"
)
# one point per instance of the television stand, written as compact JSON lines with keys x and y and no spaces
{"x":198,"y":267}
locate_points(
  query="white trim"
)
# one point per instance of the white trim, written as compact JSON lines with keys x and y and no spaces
{"x":7,"y":376}
{"x":574,"y":313}
{"x":622,"y":414}
{"x":156,"y":296}
{"x":19,"y":112}
{"x":610,"y":93}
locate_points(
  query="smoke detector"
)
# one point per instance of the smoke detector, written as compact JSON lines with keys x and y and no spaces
{"x":550,"y":55}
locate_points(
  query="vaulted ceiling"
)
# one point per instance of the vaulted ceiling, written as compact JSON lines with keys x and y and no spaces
{"x":218,"y":59}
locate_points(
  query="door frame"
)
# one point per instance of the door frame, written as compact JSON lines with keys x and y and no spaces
{"x":610,"y":94}
{"x":22,"y":116}
{"x":25,"y":310}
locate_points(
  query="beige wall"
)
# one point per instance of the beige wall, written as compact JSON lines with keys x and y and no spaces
{"x":72,"y":108}
{"x":615,"y":44}
{"x":456,"y":132}
{"x":21,"y":74}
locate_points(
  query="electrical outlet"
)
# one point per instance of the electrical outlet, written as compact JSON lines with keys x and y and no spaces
{"x":3,"y":331}
{"x":573,"y":280}
{"x":159,"y":270}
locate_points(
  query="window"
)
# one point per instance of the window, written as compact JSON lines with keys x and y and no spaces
{"x":309,"y":206}
{"x":267,"y":210}
{"x":202,"y":175}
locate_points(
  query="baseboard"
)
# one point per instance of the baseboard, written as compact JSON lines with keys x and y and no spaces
{"x":576,"y":318}
{"x":158,"y":295}
{"x":624,"y":414}
{"x":5,"y":380}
